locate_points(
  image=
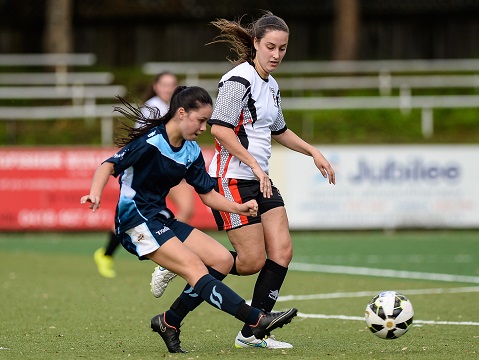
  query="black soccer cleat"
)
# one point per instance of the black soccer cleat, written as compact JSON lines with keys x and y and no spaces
{"x":270,"y":321}
{"x":169,"y":334}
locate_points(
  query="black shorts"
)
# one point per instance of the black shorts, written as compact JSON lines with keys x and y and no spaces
{"x":242,"y":191}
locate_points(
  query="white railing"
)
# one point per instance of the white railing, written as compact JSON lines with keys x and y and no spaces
{"x":47,"y":59}
{"x":323,"y":67}
{"x":83,"y":88}
{"x":298,"y":77}
{"x":56,"y":78}
{"x":86,"y":111}
{"x":404,"y":103}
{"x":78,"y":93}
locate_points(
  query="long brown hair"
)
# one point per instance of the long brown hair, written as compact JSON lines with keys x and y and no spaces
{"x":187,"y":97}
{"x":240,"y":39}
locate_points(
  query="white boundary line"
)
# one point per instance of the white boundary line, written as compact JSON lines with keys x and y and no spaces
{"x":351,"y":270}
{"x":415,"y":322}
{"x":338,"y":295}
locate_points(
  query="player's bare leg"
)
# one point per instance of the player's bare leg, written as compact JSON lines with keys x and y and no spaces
{"x":277,"y":244}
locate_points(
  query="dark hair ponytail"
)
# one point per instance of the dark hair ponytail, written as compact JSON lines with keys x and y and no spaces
{"x":240,"y":39}
{"x":186,"y":97}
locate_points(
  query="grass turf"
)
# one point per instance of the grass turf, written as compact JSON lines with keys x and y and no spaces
{"x":54,"y":305}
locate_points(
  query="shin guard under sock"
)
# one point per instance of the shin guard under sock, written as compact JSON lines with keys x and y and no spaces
{"x":188,"y":301}
{"x":233,"y":270}
{"x":266,"y":290}
{"x":217,"y":294}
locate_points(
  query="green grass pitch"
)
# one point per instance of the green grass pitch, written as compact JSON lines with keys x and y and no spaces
{"x":54,"y":304}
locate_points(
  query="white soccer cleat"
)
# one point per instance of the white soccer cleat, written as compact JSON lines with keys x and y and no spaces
{"x":268,"y":342}
{"x":160,"y":279}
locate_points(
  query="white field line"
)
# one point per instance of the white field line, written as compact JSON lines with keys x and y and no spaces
{"x":351,"y":270}
{"x":359,"y":318}
{"x":372,"y":293}
{"x":338,"y":295}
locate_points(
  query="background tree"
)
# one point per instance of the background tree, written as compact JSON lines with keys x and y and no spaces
{"x":57,"y":37}
{"x":346,"y":29}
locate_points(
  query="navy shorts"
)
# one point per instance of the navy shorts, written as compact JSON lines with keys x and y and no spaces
{"x":145,"y":238}
{"x":242,"y":191}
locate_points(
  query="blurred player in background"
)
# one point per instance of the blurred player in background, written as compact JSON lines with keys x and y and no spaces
{"x":182,"y":196}
{"x":153,"y":158}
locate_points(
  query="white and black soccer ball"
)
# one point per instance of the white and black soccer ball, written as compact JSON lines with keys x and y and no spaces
{"x":389,"y":315}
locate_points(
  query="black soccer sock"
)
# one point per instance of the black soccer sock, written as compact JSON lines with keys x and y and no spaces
{"x":217,"y":294}
{"x":266,"y":289}
{"x":113,"y":244}
{"x":233,"y":270}
{"x":188,"y":301}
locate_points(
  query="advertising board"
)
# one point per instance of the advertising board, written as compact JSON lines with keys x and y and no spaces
{"x":41,"y":190}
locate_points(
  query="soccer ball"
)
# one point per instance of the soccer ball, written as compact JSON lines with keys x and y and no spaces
{"x":389,"y":315}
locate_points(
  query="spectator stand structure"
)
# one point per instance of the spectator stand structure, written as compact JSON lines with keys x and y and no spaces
{"x":298,"y":78}
{"x":82,"y":89}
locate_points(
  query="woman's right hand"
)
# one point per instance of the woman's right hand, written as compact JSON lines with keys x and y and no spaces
{"x":264,"y":182}
{"x":94,"y":201}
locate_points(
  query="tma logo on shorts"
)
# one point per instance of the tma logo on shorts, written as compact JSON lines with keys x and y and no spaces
{"x":163,"y":230}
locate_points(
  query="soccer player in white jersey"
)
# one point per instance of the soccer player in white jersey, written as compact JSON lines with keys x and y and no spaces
{"x":246,"y":117}
{"x":164,"y":84}
{"x":154,"y":158}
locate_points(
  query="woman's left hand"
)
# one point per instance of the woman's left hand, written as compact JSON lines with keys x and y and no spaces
{"x":249,"y":208}
{"x":325,"y":167}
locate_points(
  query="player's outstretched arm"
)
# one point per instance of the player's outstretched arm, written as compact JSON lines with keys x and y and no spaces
{"x":217,"y":201}
{"x":99,"y":181}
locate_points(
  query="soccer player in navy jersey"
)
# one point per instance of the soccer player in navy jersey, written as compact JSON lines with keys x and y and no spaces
{"x":154,"y":157}
{"x":164,"y":84}
{"x":246,"y":117}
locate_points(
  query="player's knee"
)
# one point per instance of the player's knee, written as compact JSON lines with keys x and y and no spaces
{"x":282,"y":256}
{"x":194,"y":269}
{"x":224,"y":262}
{"x":249,"y":265}
{"x":185,"y":214}
{"x":220,"y":260}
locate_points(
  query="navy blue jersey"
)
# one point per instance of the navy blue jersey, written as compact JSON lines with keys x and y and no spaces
{"x":148,"y":168}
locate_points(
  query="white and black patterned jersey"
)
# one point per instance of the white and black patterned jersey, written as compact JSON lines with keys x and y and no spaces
{"x":251,"y":106}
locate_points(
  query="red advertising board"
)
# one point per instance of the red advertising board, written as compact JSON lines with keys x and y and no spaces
{"x":41,"y":189}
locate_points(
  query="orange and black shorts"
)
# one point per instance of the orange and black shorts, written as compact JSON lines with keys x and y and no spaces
{"x":242,"y":191}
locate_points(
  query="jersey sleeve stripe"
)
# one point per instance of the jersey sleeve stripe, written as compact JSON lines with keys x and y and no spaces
{"x":278,"y":132}
{"x":221,"y":123}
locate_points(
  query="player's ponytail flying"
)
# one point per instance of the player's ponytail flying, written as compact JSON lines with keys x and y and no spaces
{"x":186,"y":97}
{"x":240,"y":38}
